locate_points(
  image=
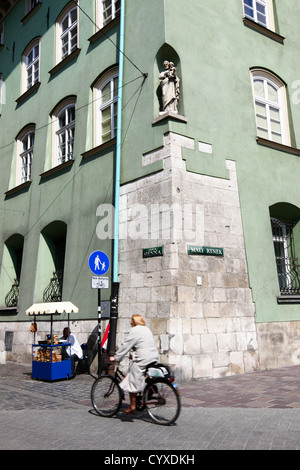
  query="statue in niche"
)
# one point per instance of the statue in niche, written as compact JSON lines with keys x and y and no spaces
{"x":169,"y":88}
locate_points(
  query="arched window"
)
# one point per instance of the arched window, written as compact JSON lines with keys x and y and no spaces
{"x":260,"y":11}
{"x":25,"y":146}
{"x":105,"y":103}
{"x":107,"y":10}
{"x":31,"y":64}
{"x":67,"y":32}
{"x":2,"y":93}
{"x":1,"y":34}
{"x":11,"y":270}
{"x":269,"y":95}
{"x":29,"y":5}
{"x":51,"y":262}
{"x":63,"y":131}
{"x":286,"y":230}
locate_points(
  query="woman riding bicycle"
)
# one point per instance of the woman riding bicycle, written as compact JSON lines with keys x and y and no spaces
{"x":141,"y":340}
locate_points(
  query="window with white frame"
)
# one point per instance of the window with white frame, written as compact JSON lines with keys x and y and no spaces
{"x":260,"y":11}
{"x":25,"y":143}
{"x":68,"y":34}
{"x":105,"y":102}
{"x":30,"y":4}
{"x":107,"y":10}
{"x":64,"y":126}
{"x":285,"y":241}
{"x":285,"y":223}
{"x":31,"y":64}
{"x":1,"y":34}
{"x":269,"y":95}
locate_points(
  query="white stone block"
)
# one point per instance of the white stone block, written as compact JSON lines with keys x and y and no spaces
{"x":180,"y":140}
{"x":227,"y":342}
{"x":208,"y":343}
{"x":191,"y":344}
{"x":186,"y":367}
{"x":202,"y":367}
{"x":237,"y":363}
{"x":205,"y":148}
{"x":2,"y":357}
{"x":176,"y":344}
{"x":164,"y":343}
{"x":199,"y":326}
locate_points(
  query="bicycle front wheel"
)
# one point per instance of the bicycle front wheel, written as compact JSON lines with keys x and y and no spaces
{"x":106,"y":396}
{"x":162,"y":401}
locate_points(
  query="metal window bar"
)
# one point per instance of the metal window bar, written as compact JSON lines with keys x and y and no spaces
{"x":53,"y":292}
{"x":69,"y":34}
{"x":288,"y":267}
{"x":26,"y":156}
{"x":65,"y":146}
{"x":32,"y":66}
{"x":110,"y":9}
{"x":256,"y":11}
{"x":26,"y":165}
{"x":11,"y":299}
{"x":117,"y":7}
{"x":65,"y":135}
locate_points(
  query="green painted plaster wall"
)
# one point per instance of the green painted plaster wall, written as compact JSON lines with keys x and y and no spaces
{"x":215,"y":51}
{"x":73,"y":195}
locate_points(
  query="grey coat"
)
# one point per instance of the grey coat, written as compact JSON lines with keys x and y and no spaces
{"x":141,"y":340}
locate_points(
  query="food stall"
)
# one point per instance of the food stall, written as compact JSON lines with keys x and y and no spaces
{"x":47,"y":360}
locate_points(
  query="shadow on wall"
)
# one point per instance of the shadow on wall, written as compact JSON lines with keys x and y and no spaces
{"x":92,"y":353}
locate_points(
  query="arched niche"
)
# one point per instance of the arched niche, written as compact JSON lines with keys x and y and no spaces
{"x":166,"y":52}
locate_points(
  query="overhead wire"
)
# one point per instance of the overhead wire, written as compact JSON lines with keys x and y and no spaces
{"x":144,"y":75}
{"x":107,"y":37}
{"x":53,"y":121}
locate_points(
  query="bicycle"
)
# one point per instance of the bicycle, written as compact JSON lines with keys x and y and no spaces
{"x":160,"y":396}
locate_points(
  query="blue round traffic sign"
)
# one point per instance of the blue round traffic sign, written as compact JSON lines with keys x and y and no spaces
{"x":99,"y":263}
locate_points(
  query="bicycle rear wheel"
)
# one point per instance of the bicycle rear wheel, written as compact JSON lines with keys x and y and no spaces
{"x":162,"y":401}
{"x":106,"y":396}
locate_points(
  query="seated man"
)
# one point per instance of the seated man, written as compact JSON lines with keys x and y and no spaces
{"x":74,"y":351}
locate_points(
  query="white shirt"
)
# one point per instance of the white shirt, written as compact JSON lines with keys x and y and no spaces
{"x":75,"y":346}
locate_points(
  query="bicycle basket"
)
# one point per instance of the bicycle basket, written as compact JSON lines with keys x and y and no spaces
{"x":159,"y":370}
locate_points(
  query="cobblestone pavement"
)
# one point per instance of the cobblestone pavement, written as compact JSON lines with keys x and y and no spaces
{"x":260,"y":410}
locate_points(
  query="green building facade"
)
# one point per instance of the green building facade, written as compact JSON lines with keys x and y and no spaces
{"x":204,"y":189}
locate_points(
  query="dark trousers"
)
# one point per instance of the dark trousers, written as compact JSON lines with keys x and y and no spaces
{"x":74,"y":358}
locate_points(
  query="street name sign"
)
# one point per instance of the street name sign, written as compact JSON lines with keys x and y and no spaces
{"x":205,"y":250}
{"x":153,"y":252}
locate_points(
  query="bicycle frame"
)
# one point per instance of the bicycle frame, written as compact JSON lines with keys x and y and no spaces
{"x":160,"y":397}
{"x":119,"y":376}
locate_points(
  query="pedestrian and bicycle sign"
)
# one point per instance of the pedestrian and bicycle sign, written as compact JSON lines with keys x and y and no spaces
{"x":99,"y":282}
{"x":99,"y":263}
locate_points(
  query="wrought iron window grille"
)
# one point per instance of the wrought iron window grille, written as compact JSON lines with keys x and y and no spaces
{"x":53,"y":292}
{"x":288,"y":267}
{"x":11,"y":299}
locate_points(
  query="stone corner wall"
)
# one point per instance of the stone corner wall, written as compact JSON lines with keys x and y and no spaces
{"x":199,"y":308}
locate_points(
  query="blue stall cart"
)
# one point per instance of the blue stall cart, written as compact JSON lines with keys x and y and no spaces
{"x":47,"y":360}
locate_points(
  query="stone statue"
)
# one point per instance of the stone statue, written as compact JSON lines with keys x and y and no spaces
{"x":169,"y":87}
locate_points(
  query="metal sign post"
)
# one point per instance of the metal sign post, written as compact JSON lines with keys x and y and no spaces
{"x":99,"y":264}
{"x":99,"y":332}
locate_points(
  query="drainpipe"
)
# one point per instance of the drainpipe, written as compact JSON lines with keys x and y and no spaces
{"x":111,"y":348}
{"x":118,"y":150}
